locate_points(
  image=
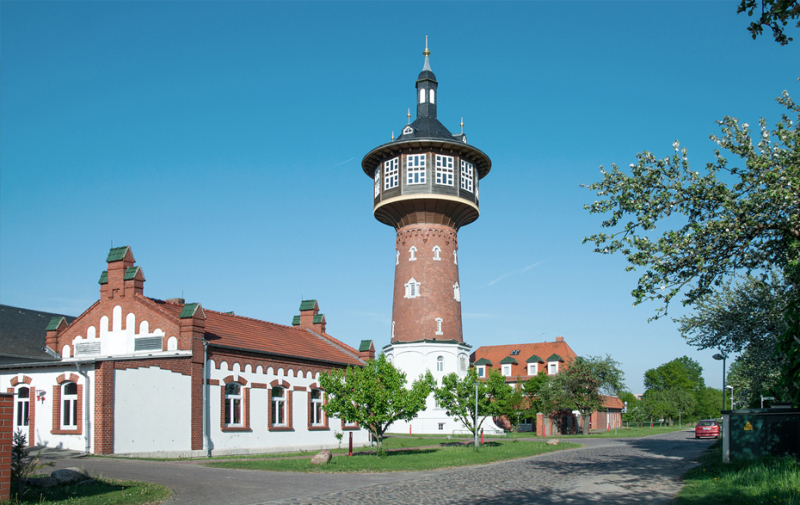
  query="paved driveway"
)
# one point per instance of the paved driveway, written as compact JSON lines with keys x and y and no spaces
{"x":638,"y":470}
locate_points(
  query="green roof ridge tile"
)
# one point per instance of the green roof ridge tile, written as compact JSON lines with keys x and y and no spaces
{"x":507,"y":360}
{"x":364,"y":346}
{"x":117,"y":253}
{"x":307,"y":305}
{"x":555,"y":357}
{"x":318,"y":318}
{"x":103,"y":277}
{"x":189,"y":310}
{"x":296,"y":321}
{"x":483,"y":361}
{"x":130,"y":273}
{"x":534,"y":359}
{"x":54,"y":323}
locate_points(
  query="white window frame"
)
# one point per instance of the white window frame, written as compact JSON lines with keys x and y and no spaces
{"x":234,"y":402}
{"x":416,"y":165}
{"x":22,"y":408}
{"x":467,"y":170}
{"x":433,"y":96}
{"x":550,"y":366}
{"x":422,"y":95}
{"x":533,"y":368}
{"x":444,"y":170}
{"x":439,"y":327}
{"x":377,"y":181}
{"x":412,"y":288}
{"x":440,"y":361}
{"x":69,"y":407}
{"x":506,"y":370}
{"x":277,"y":408}
{"x":412,"y":253}
{"x":481,"y":371}
{"x":436,"y":251}
{"x":391,"y":173}
{"x":457,"y":292}
{"x":317,"y":414}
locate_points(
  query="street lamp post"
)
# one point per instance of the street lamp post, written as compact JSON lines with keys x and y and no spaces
{"x":720,"y":356}
{"x":475,"y":421}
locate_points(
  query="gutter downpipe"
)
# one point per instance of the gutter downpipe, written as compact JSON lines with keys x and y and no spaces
{"x":85,"y":406}
{"x":206,"y":422}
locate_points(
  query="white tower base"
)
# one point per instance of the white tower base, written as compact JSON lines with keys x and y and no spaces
{"x":415,"y":358}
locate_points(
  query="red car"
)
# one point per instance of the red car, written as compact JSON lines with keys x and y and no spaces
{"x":706,"y":428}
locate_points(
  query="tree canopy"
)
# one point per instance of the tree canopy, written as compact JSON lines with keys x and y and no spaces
{"x":583,"y":384}
{"x":682,"y":373}
{"x":457,"y":396}
{"x":747,"y":220}
{"x":375,"y":395}
{"x":775,"y":14}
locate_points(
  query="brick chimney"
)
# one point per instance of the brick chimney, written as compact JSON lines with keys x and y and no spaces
{"x":309,"y":317}
{"x":366,"y":350}
{"x":559,"y":339}
{"x":122,"y":277}
{"x":57,"y":325}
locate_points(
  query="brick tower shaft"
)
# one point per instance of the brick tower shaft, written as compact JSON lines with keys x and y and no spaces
{"x":427,"y":294}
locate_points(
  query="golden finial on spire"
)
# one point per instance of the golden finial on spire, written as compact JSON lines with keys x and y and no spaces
{"x":426,"y":52}
{"x":409,"y":116}
{"x":392,"y":136}
{"x":462,"y":125}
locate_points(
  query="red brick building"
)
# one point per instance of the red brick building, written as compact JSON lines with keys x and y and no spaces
{"x":134,"y":374}
{"x":519,"y":362}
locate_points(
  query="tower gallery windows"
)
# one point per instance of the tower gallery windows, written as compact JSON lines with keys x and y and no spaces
{"x":444,"y":170}
{"x":415,"y":165}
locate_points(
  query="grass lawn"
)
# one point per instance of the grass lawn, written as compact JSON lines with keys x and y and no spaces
{"x":407,"y":460}
{"x":633,"y":431}
{"x":101,"y":492}
{"x":766,"y":480}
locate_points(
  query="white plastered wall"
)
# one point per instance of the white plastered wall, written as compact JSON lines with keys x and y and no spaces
{"x":259,"y":438}
{"x":43,"y":379}
{"x":152,"y":411}
{"x":415,"y":359}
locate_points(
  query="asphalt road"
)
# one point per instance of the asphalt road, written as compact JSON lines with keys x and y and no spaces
{"x":633,"y":470}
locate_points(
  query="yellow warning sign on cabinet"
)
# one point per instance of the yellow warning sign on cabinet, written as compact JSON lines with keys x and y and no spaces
{"x":748,"y":426}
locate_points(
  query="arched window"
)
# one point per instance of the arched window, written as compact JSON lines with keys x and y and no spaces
{"x":439,"y":326}
{"x":433,"y":96}
{"x":412,"y":254}
{"x":455,"y":258}
{"x":392,"y":329}
{"x":456,"y":292}
{"x":23,"y":406}
{"x":233,"y":404}
{"x":397,"y":258}
{"x":440,"y":361}
{"x":436,"y":251}
{"x":422,"y":95}
{"x":412,"y":288}
{"x":278,"y":407}
{"x":316,"y":407}
{"x":69,"y":405}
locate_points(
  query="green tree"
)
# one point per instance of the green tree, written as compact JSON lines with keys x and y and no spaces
{"x":729,"y":219}
{"x":375,"y":395}
{"x":775,"y":14}
{"x":582,"y":386}
{"x":631,"y":406}
{"x":682,"y":373}
{"x":708,"y":404}
{"x":533,"y":391}
{"x":457,"y":396}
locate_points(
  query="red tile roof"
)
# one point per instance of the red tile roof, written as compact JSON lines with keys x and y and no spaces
{"x":245,"y":333}
{"x":612,"y":402}
{"x":496,"y":353}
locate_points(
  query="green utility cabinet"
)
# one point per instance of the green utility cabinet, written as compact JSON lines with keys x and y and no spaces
{"x":751,"y":433}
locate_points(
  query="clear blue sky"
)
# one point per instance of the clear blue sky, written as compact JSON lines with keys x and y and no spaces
{"x":223,"y":141}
